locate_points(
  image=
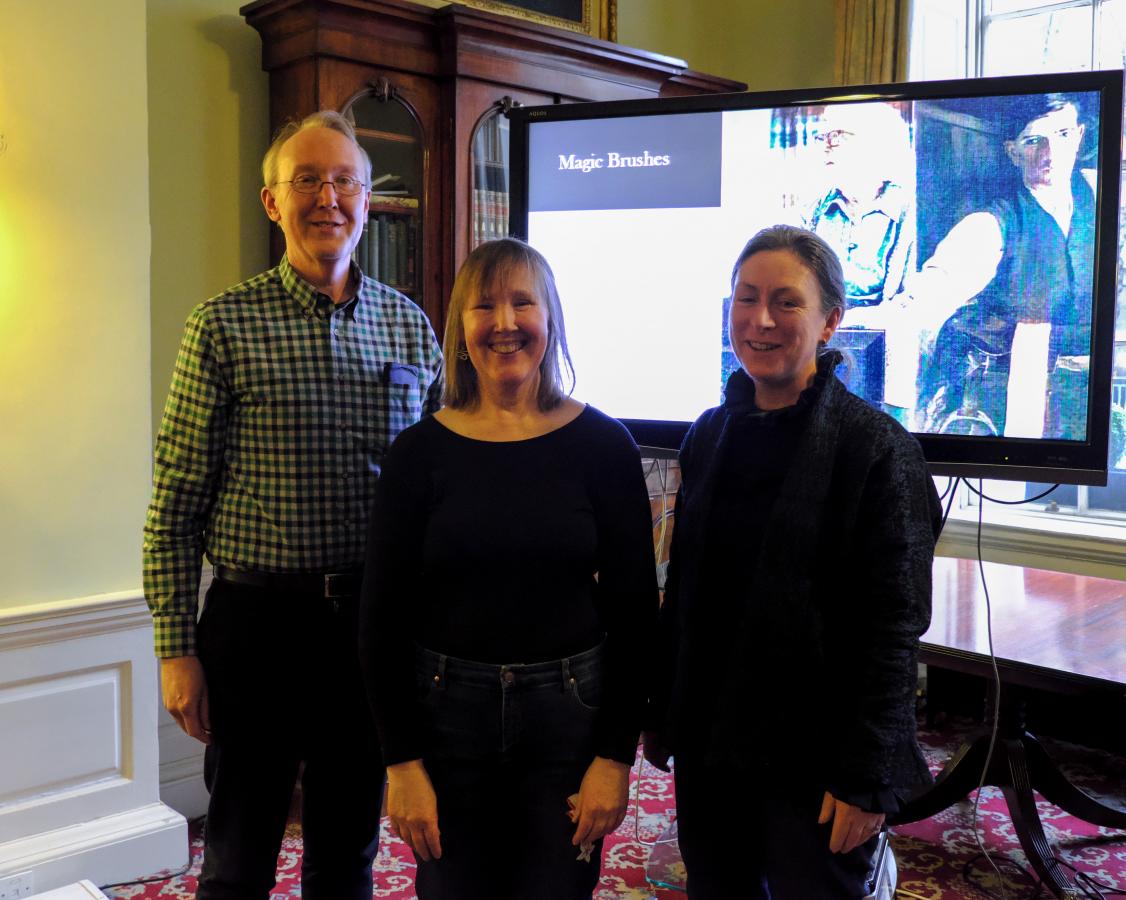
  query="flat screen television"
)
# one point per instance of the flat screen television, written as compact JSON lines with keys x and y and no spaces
{"x":976,"y":221}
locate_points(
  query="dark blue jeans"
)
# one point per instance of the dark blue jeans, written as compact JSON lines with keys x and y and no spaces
{"x":284,"y":686}
{"x":506,"y":746}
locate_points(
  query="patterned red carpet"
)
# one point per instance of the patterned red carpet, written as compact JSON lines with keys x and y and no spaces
{"x":931,"y":854}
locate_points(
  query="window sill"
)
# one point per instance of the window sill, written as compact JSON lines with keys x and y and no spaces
{"x":1043,"y":541}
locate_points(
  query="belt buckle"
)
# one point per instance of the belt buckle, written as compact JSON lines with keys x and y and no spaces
{"x":332,"y":579}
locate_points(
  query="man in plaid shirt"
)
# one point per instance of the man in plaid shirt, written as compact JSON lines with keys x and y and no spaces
{"x":287,"y":391}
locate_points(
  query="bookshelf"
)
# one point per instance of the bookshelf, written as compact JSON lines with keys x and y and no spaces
{"x":428,"y":90}
{"x":390,"y":247}
{"x":489,"y":210}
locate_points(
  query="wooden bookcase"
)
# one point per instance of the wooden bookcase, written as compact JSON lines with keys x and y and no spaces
{"x":428,"y":89}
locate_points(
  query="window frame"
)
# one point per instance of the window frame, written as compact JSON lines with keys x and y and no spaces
{"x":1070,"y":541}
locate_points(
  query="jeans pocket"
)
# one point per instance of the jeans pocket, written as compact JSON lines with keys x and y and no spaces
{"x":585,"y":689}
{"x":426,"y":683}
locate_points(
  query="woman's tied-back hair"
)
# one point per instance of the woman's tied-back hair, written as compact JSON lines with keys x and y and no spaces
{"x":816,"y":255}
{"x":487,"y":268}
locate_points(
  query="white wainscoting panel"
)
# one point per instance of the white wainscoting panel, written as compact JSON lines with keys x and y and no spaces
{"x":79,"y":768}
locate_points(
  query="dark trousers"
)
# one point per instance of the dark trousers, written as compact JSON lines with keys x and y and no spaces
{"x":284,"y":689}
{"x":777,"y":851}
{"x":506,"y":747}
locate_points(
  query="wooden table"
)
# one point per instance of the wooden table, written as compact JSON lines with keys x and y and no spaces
{"x":1051,"y":631}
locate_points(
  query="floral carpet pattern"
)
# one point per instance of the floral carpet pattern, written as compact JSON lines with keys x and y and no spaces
{"x":931,"y":854}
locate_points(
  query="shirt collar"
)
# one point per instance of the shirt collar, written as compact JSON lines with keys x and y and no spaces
{"x":308,"y":297}
{"x":889,"y":200}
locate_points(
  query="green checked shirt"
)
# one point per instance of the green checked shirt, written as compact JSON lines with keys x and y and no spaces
{"x":281,"y":408}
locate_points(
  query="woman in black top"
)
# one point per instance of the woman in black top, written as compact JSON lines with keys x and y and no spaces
{"x":798,"y":587}
{"x":510,"y":575}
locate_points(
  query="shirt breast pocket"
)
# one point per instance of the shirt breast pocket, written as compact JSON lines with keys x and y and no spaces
{"x":393,"y":401}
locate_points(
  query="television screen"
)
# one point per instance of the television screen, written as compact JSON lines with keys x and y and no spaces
{"x":976,"y":223}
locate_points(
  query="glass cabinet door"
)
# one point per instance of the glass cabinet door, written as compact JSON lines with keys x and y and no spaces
{"x":488,"y":205}
{"x":390,"y":249}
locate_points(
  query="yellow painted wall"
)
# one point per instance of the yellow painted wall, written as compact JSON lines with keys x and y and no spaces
{"x":208,"y":107}
{"x":767,"y":44}
{"x":74,"y":298}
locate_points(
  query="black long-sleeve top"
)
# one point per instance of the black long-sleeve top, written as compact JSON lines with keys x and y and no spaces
{"x":509,"y":552}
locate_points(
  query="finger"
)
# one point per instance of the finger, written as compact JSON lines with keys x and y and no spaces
{"x":839,"y":834}
{"x":860,"y":833}
{"x":418,"y":844}
{"x":205,"y":716}
{"x":433,"y":839}
{"x":192,"y":725}
{"x":827,"y":806}
{"x":582,"y":833}
{"x":856,"y":837}
{"x":599,"y":828}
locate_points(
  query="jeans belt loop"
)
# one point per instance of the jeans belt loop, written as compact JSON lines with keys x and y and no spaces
{"x":440,"y":678}
{"x":567,"y":676}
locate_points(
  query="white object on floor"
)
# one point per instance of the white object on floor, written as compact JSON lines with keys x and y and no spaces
{"x":886,"y":875}
{"x":81,"y":890}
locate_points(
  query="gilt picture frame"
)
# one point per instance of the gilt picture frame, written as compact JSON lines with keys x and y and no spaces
{"x":597,"y":18}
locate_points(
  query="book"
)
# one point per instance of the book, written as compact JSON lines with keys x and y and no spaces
{"x":388,"y":200}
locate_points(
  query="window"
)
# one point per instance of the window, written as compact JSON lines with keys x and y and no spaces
{"x":965,"y":38}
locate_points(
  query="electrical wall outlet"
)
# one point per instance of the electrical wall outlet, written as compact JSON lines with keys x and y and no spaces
{"x":18,"y":885}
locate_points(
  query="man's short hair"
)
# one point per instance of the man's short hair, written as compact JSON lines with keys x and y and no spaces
{"x":1016,"y":113}
{"x":326,"y":118}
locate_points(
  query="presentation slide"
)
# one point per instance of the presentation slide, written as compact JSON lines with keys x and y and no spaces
{"x":965,"y":229}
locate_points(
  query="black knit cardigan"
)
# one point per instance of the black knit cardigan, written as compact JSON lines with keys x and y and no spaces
{"x":833,"y":606}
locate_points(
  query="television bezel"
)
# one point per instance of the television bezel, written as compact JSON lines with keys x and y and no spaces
{"x":1022,"y":459}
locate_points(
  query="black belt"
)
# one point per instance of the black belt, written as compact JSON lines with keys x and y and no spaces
{"x":331,"y":585}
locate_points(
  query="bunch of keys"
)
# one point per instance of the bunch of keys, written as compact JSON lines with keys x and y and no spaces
{"x":586,"y":847}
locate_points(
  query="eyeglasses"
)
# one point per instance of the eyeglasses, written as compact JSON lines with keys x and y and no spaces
{"x":344,"y":185}
{"x":834,"y":138}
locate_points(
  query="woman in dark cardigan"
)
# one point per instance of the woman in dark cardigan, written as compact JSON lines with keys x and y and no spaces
{"x":798,"y":588}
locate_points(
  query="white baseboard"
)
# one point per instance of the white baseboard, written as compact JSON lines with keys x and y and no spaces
{"x":79,"y":787}
{"x":181,"y":770}
{"x":109,"y":850}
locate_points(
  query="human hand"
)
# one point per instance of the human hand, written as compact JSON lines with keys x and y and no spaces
{"x":655,"y":751}
{"x":601,"y":802}
{"x":852,"y":826}
{"x":412,"y":807}
{"x":183,"y":688}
